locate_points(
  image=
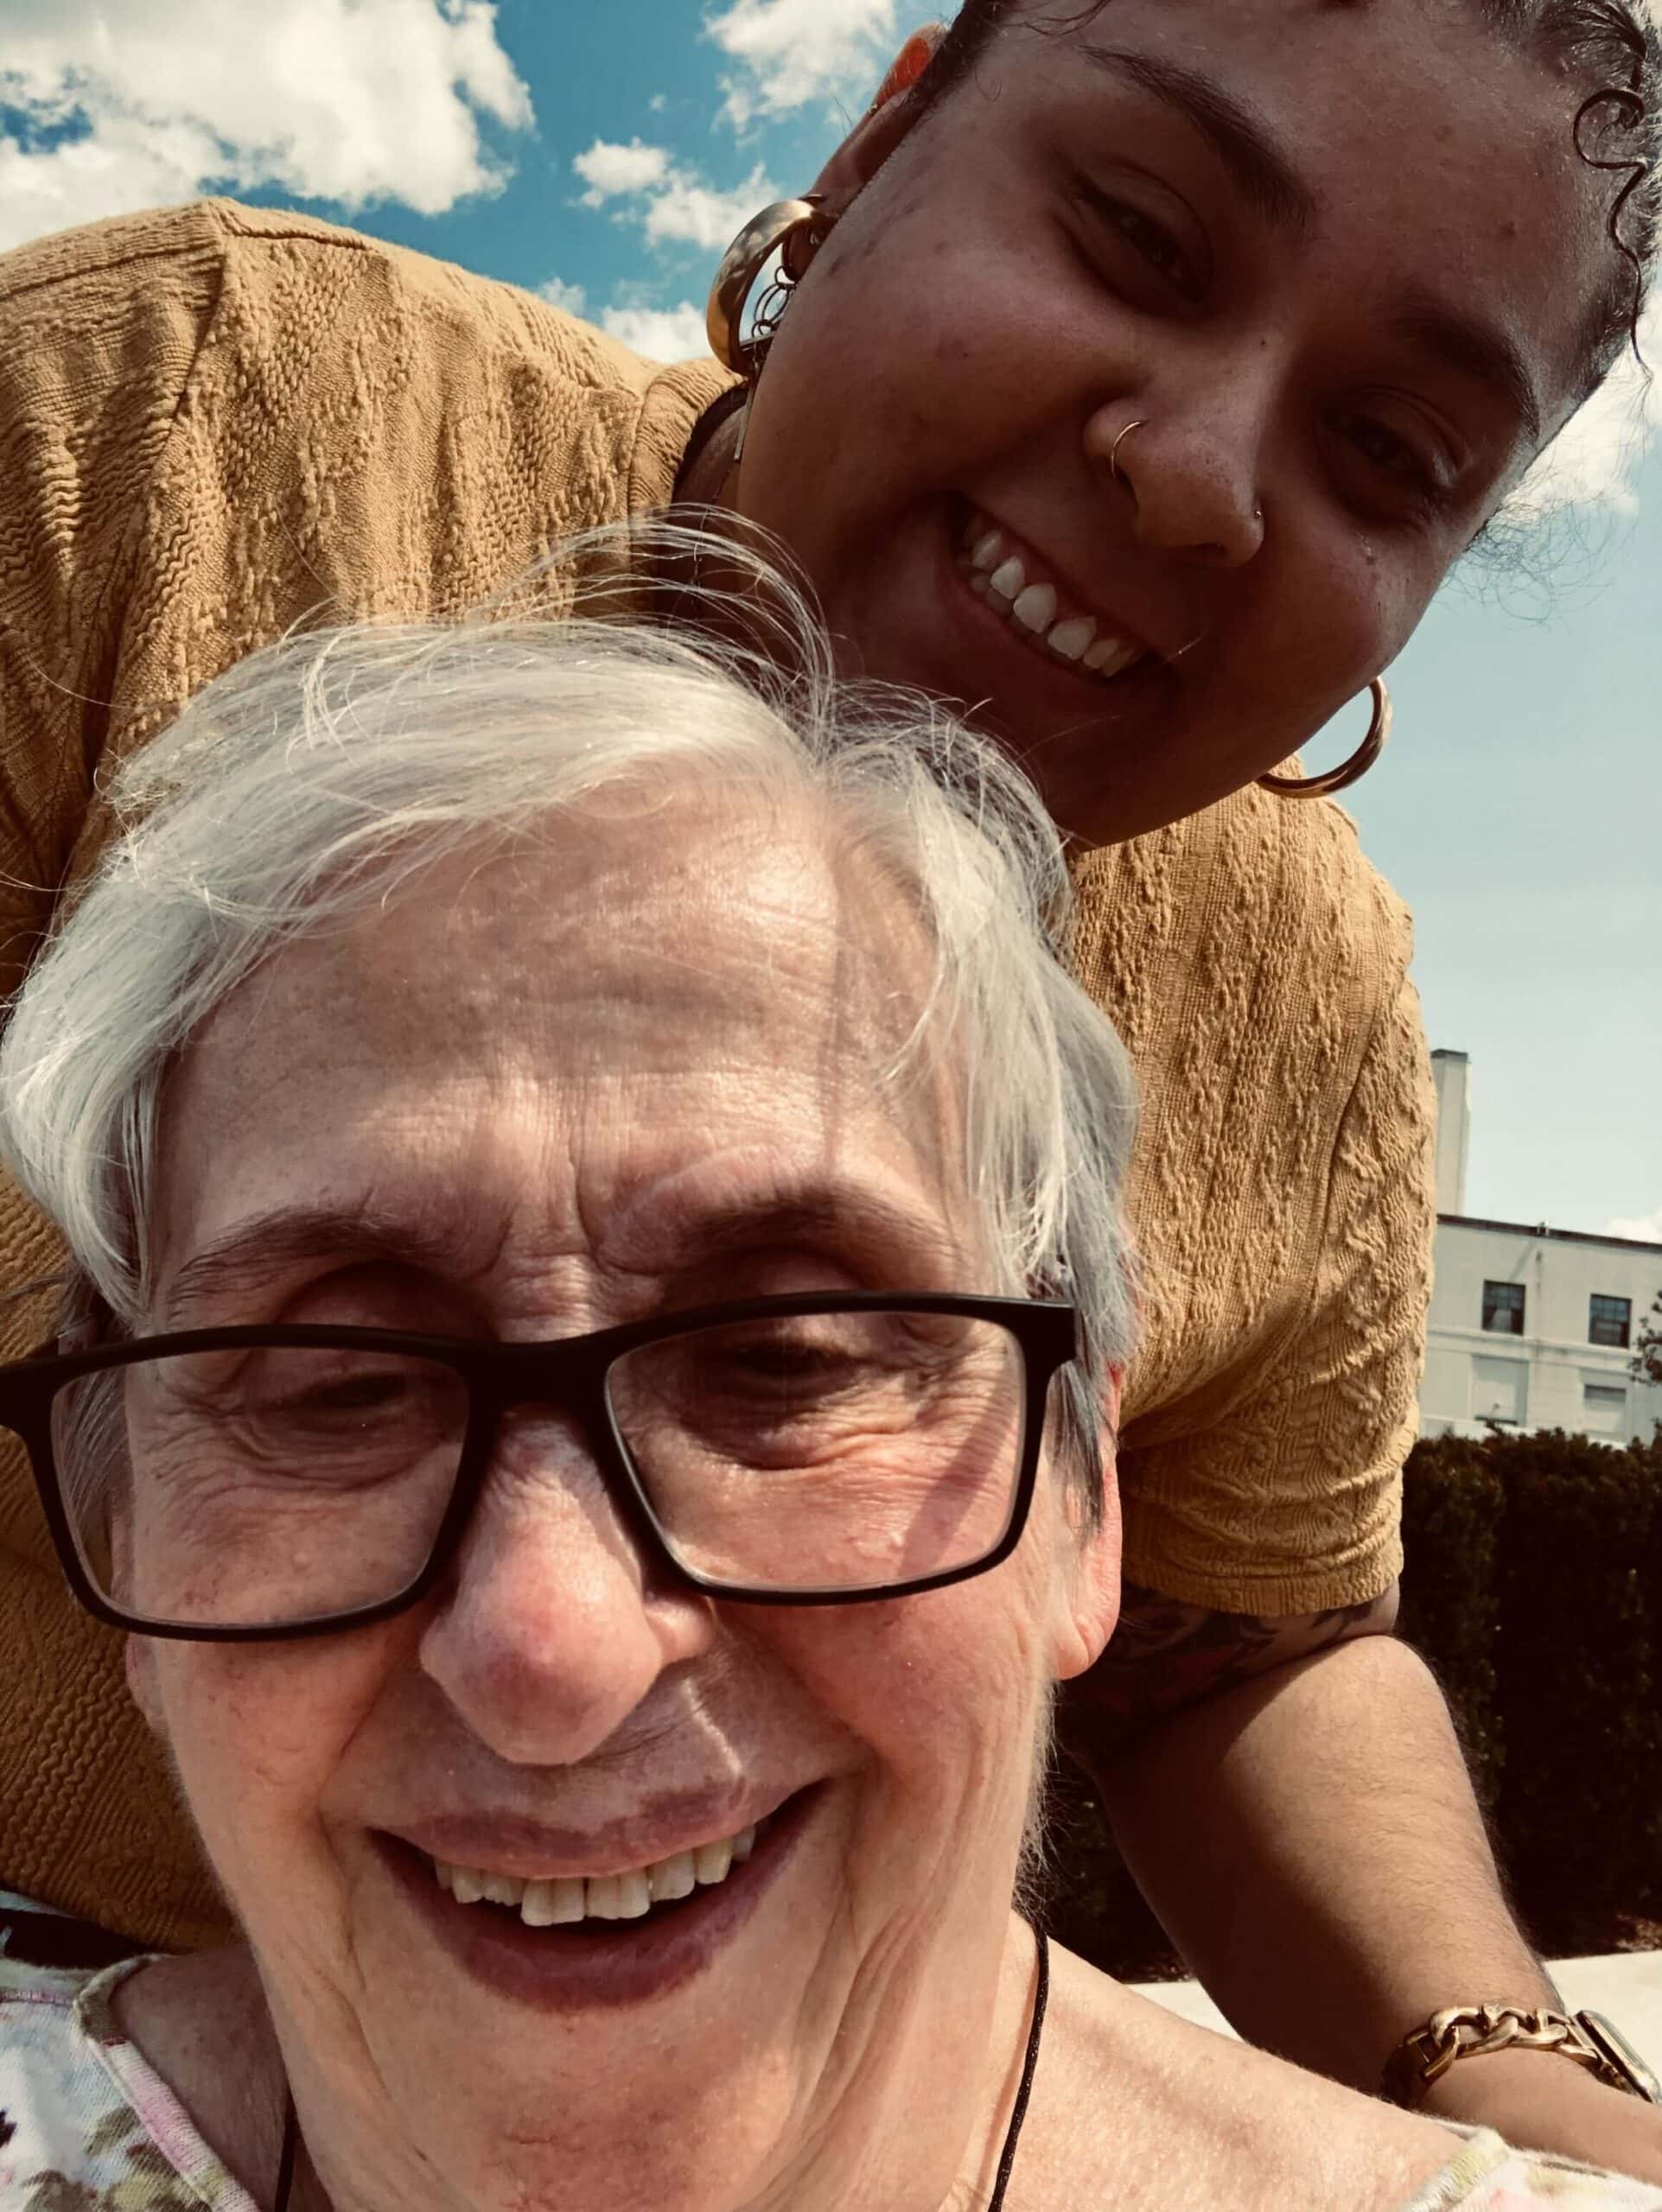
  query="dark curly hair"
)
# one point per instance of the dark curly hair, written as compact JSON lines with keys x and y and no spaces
{"x":1602,"y":46}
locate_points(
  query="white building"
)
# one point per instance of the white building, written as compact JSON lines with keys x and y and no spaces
{"x":1530,"y":1326}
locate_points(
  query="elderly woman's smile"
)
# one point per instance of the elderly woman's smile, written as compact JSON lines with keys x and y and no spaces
{"x":634,"y":1074}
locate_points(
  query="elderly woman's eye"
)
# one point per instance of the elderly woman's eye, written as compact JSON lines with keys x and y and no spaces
{"x":772,"y":1366}
{"x":369,"y":1395}
{"x":389,"y":1411}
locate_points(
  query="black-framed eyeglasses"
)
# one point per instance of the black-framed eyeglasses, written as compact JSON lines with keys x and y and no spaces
{"x":230,"y":1485}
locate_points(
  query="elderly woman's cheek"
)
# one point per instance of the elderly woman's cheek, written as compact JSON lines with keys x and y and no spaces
{"x":262,"y":1738}
{"x":948,"y":1694}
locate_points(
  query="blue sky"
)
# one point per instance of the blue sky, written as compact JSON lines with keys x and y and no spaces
{"x":602,"y":151}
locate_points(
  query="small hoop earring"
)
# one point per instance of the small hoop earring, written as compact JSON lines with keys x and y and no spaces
{"x":1140,"y":423}
{"x":796,"y":229}
{"x":1348,"y":771}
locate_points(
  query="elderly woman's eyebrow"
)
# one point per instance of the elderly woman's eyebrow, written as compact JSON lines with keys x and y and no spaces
{"x":263,"y":1250}
{"x":832,"y":1214}
{"x":1238,"y":134}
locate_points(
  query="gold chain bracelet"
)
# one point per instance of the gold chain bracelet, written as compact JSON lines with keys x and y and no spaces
{"x":1474,"y":2030}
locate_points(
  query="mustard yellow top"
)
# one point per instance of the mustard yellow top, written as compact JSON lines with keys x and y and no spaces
{"x":216,"y":420}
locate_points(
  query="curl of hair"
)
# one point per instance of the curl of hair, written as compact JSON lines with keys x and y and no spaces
{"x":322,"y":778}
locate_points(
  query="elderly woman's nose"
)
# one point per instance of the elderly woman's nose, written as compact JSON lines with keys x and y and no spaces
{"x":555,"y":1628}
{"x":1190,"y":474}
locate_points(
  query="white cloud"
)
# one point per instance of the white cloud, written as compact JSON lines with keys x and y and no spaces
{"x":673,"y":205}
{"x":1647,"y":1228}
{"x":610,"y":170}
{"x":661,"y":333}
{"x":127,"y":105}
{"x":791,"y":53}
{"x":689,"y":210}
{"x":572,"y":299}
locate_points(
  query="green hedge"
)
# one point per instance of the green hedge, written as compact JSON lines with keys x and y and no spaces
{"x":1533,"y":1587}
{"x":1453,"y":1499}
{"x":1579,"y":1660}
{"x":1533,"y":1584}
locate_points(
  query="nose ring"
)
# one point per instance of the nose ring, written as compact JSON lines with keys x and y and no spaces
{"x":1113,"y":451}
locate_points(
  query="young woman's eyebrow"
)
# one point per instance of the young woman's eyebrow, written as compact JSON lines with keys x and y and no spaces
{"x":1475,"y":348}
{"x":1238,"y":135}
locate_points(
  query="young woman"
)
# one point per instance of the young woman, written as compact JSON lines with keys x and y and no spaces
{"x":1147,"y":366}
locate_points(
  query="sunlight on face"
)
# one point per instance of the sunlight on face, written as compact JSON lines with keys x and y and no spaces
{"x":645,"y":1066}
{"x":1336,"y":265}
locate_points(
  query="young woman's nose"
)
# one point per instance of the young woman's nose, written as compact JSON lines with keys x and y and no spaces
{"x":1189,"y":473}
{"x":555,"y":1629}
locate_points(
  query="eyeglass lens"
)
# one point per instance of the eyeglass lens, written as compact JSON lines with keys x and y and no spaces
{"x":268,"y":1484}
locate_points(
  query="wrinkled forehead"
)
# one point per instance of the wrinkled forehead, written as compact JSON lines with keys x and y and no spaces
{"x":633,"y":989}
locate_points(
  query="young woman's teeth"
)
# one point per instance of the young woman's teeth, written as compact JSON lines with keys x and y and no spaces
{"x":599,"y":1897}
{"x":998,"y":575}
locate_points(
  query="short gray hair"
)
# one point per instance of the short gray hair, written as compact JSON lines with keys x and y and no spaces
{"x":311,"y":780}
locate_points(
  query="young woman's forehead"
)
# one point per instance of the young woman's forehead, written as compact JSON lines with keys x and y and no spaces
{"x":1412,"y":130}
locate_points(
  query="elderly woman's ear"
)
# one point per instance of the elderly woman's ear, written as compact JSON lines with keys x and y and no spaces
{"x":138,"y":1661}
{"x":1088,"y":1605}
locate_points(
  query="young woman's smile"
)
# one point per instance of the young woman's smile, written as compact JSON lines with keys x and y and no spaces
{"x":1236,"y":383}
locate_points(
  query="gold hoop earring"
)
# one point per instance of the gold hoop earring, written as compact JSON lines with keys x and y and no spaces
{"x":794,"y":229}
{"x":1348,"y":771}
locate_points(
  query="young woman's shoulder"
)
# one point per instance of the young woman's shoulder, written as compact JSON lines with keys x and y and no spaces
{"x":1271,"y":897}
{"x":1135,"y":2106}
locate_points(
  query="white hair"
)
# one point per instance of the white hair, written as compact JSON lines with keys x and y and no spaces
{"x":312,"y":780}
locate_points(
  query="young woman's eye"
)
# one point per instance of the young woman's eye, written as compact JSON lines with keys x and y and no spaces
{"x":1393,"y":455}
{"x":1152,"y":241}
{"x":1147,"y":237}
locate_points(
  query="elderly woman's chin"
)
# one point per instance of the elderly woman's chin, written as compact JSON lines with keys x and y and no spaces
{"x":570,"y":1882}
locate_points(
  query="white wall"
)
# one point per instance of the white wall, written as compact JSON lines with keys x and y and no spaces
{"x":1552,"y":1377}
{"x":1451,"y":1073}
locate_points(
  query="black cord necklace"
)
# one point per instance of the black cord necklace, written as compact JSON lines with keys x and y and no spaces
{"x":285,"y":2178}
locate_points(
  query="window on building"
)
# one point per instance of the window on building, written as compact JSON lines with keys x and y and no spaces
{"x":1500,"y":1389}
{"x":1609,"y":1320}
{"x":1604,"y":1408}
{"x":1503,"y":1309}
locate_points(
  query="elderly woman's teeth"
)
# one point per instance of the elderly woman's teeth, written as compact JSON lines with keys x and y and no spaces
{"x":998,"y":574}
{"x":599,"y":1897}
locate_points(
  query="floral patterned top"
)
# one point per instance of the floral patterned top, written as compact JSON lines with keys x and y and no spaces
{"x":87,"y":2126}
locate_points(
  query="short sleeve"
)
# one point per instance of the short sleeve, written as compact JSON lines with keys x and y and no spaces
{"x":99,"y":333}
{"x":1282,"y":1495}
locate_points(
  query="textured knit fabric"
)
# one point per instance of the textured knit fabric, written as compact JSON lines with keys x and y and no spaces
{"x":215,"y":421}
{"x":86,"y":2123}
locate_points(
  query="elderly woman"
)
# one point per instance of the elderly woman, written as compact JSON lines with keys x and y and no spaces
{"x":604,"y":1300}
